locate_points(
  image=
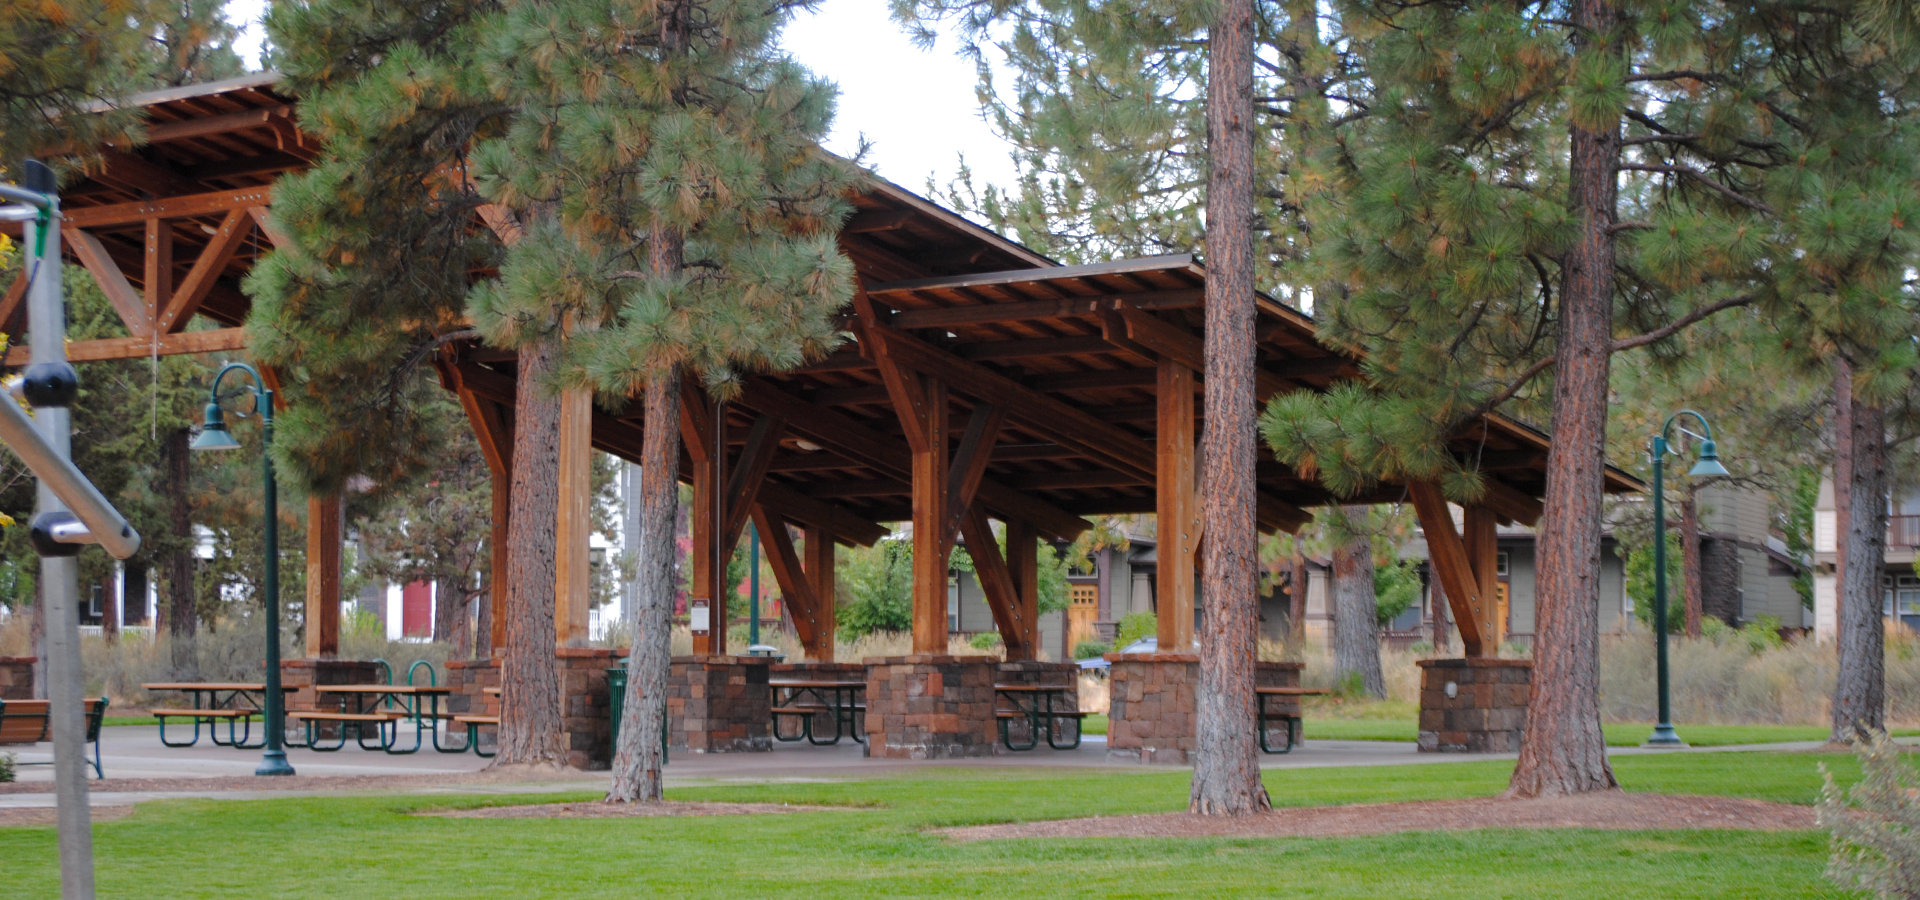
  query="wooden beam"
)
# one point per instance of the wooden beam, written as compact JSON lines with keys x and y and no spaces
{"x":996,"y":582}
{"x":1480,"y":539}
{"x":1028,"y":349}
{"x":207,"y":269}
{"x":1040,"y":413}
{"x":969,"y":463}
{"x":140,"y":348}
{"x":14,"y":304}
{"x":1049,"y":518}
{"x":873,"y":220}
{"x":1312,"y":368}
{"x":201,"y":127}
{"x":820,"y":574}
{"x":696,"y":421}
{"x":749,"y":472}
{"x":931,"y":545}
{"x":573,"y":550}
{"x":1511,"y":503}
{"x":1170,"y":342}
{"x":263,"y":220}
{"x":795,"y":589}
{"x":1095,"y":380}
{"x":1064,"y":481}
{"x":167,"y":208}
{"x":137,"y":176}
{"x":709,"y":573}
{"x":1029,"y":310}
{"x":1447,"y":554}
{"x":846,"y":527}
{"x":1176,"y":508}
{"x":324,"y":543}
{"x":158,"y":275}
{"x":903,"y":385}
{"x":106,"y":273}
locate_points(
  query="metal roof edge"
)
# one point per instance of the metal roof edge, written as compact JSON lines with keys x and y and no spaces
{"x":188,"y":91}
{"x":1051,"y":272}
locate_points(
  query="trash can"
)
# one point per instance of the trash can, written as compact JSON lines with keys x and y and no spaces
{"x":617,"y":705}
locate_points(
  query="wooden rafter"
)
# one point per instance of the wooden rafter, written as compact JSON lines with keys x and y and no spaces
{"x":1472,"y":611}
{"x":136,"y":347}
{"x":997,"y":583}
{"x":212,"y":261}
{"x":970,"y":460}
{"x":167,"y":208}
{"x":808,"y":618}
{"x":126,"y":301}
{"x":749,"y":472}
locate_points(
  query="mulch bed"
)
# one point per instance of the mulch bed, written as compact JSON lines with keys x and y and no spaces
{"x":619,"y":810}
{"x":1614,"y":810}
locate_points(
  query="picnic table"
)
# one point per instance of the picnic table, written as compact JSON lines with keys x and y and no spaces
{"x":1263,"y":716}
{"x":809,"y":699}
{"x":1044,"y":707}
{"x":379,"y":705}
{"x":232,"y":702}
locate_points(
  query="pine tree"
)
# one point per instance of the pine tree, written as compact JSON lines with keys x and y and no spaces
{"x":191,"y":42}
{"x":57,"y":59}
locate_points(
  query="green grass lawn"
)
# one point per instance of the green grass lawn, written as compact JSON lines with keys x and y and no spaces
{"x":878,"y":848}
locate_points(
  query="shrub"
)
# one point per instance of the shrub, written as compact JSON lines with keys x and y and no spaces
{"x":986,"y":640}
{"x":6,"y":767}
{"x":1091,"y":649}
{"x":1134,"y":626}
{"x":1875,"y":824}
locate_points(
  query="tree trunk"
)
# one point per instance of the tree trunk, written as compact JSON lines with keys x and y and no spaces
{"x":1842,"y":476}
{"x":483,"y":617}
{"x":449,"y":601}
{"x":1226,"y":770}
{"x":1437,"y":601}
{"x":461,"y":640}
{"x":182,"y":619}
{"x":529,"y":682}
{"x":1690,"y":559}
{"x":1356,"y":627}
{"x":638,"y":761}
{"x":1860,"y":690}
{"x":109,"y":609}
{"x":37,"y":640}
{"x":1297,"y":602}
{"x":1563,"y":751}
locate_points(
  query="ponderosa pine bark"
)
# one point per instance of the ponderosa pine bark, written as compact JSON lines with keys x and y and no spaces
{"x":529,"y":682}
{"x":449,"y":601}
{"x":1297,"y":600}
{"x":1860,"y":685}
{"x":1356,"y":624}
{"x":639,"y":760}
{"x":182,"y":621}
{"x":1437,"y":614}
{"x":1563,"y":751}
{"x":1690,"y":559}
{"x":1226,"y":770}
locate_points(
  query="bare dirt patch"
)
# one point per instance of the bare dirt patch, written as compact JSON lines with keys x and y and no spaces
{"x":620,"y":810}
{"x":1614,"y":810}
{"x":509,"y":775}
{"x":46,"y":816}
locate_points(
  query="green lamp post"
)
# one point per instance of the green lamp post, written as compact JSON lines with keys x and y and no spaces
{"x":215,"y":436}
{"x":1708,"y":465}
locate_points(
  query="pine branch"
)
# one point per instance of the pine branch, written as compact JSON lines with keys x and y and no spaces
{"x":1678,"y":75}
{"x":1701,"y":178}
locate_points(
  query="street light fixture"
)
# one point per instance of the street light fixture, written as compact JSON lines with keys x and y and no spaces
{"x":1708,"y":466}
{"x":215,"y":436}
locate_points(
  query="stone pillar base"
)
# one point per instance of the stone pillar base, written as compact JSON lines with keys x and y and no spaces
{"x":305,"y":674}
{"x":720,"y":704}
{"x":927,"y":706}
{"x":585,"y":723}
{"x":1473,"y":705}
{"x":16,"y":677}
{"x":1151,"y":719}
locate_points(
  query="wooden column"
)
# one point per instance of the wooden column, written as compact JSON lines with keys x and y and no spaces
{"x":158,"y":268}
{"x":931,"y":515}
{"x":1455,"y":568}
{"x":820,"y":552}
{"x":1483,"y":558}
{"x":1175,"y":509}
{"x":1023,"y":564}
{"x":572,"y":573}
{"x":492,"y":424}
{"x":698,"y":433}
{"x":323,"y":577}
{"x":497,"y":566}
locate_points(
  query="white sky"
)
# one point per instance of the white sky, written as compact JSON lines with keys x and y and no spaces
{"x":917,"y":108}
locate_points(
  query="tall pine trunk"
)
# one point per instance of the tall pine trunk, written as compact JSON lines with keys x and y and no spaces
{"x":1860,"y":689}
{"x":1690,"y":560}
{"x":182,"y":622}
{"x":529,"y":680}
{"x":1226,"y":770}
{"x":1297,"y":602}
{"x":1563,"y":751}
{"x":449,"y":601}
{"x":1437,"y":613}
{"x":1356,"y":627}
{"x":639,"y":760}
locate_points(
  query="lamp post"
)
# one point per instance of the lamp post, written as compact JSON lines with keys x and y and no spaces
{"x":214,"y":436}
{"x":1709,"y":465}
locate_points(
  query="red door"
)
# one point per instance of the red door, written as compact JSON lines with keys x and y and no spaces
{"x":416,"y":610}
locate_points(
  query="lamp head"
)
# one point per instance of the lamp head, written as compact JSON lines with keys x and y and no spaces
{"x":214,"y":434}
{"x":1709,"y":464}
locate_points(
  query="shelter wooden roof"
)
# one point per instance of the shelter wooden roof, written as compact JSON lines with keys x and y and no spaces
{"x":1070,"y":352}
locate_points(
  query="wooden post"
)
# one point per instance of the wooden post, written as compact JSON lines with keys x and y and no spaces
{"x":323,"y":577}
{"x":1175,"y":508}
{"x":820,"y":551}
{"x":572,"y":566}
{"x":1023,"y":563}
{"x":1453,"y":566}
{"x":703,"y":436}
{"x":497,"y":568}
{"x":159,"y":269}
{"x":493,"y":428}
{"x":1483,"y":555}
{"x":930,"y":515}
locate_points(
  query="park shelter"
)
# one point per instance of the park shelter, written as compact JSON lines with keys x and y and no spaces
{"x":981,"y":381}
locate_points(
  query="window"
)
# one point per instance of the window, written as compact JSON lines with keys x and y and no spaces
{"x":1500,"y":564}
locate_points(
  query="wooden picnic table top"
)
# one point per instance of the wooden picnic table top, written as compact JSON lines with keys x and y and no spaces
{"x":210,"y":686}
{"x":1035,"y":688}
{"x":381,"y":689}
{"x":818,"y":684}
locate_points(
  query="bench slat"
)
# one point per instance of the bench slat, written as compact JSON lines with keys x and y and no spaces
{"x":202,"y":713}
{"x":477,"y":720}
{"x":336,"y":717}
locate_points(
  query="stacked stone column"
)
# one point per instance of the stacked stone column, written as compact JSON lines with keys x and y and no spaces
{"x":585,"y":715}
{"x":1151,"y":719}
{"x":306,"y":674}
{"x":1473,"y":705}
{"x":16,"y":677}
{"x":720,"y":704}
{"x":929,"y":706}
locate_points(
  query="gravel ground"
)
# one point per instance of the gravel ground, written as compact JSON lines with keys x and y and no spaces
{"x":1612,"y":810}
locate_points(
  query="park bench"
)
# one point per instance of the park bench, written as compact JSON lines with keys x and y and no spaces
{"x":1039,"y":714}
{"x":356,"y":721}
{"x":28,"y":722}
{"x":1262,"y":717}
{"x":473,"y":724}
{"x":808,"y":700}
{"x":235,"y":719}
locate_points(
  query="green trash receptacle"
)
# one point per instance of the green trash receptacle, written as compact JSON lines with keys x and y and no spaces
{"x":617,"y":705}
